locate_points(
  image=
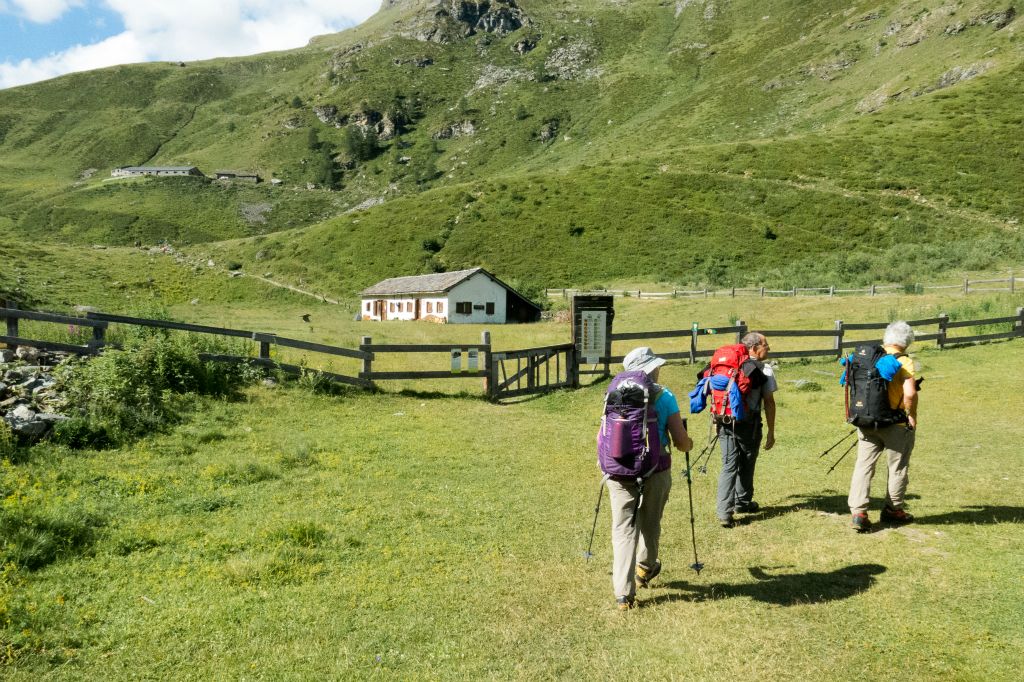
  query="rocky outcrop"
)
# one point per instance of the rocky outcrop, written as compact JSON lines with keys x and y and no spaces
{"x":447,"y":21}
{"x":30,"y":398}
{"x":572,"y":61}
{"x":328,"y":114}
{"x":997,"y":19}
{"x":450,"y":131}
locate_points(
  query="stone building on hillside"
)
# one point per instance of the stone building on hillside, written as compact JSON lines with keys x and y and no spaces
{"x":465,"y":296}
{"x":161,"y":171}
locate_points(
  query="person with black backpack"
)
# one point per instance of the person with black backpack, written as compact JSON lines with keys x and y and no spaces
{"x":632,"y":447}
{"x":882,"y":396}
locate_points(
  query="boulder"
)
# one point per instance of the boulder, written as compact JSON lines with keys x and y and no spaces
{"x":27,"y":353}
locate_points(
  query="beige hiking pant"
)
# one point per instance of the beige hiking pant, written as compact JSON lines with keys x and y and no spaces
{"x":897,"y":442}
{"x":635,"y":532}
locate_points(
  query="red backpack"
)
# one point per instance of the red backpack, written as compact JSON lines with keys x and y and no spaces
{"x":726,"y":363}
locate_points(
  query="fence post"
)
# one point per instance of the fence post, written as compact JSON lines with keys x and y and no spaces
{"x":1018,"y":326}
{"x":943,"y":321}
{"x":485,"y":340}
{"x":839,"y":338}
{"x":872,"y":290}
{"x":1013,"y":281}
{"x":831,"y":290}
{"x":742,"y":331}
{"x":98,"y":338}
{"x":762,"y":292}
{"x":364,"y":344}
{"x":12,"y":322}
{"x":693,"y":342}
{"x":967,"y":285}
{"x":732,"y":292}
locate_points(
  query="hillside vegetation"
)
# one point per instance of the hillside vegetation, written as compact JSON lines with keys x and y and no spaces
{"x":557,"y":143}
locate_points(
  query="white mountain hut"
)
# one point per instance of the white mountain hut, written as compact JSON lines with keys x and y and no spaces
{"x":472,"y":296}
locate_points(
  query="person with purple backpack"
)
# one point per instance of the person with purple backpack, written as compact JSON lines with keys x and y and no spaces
{"x":640,"y":416}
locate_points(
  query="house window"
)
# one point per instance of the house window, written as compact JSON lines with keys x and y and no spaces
{"x":408,"y":307}
{"x":463,"y":308}
{"x":391,"y":307}
{"x":490,"y":307}
{"x":367,"y":306}
{"x":430,"y":307}
{"x":440,"y":306}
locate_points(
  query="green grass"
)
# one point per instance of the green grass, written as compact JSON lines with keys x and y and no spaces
{"x":369,"y":535}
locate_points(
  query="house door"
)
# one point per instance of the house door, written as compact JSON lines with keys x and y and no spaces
{"x":379,"y":310}
{"x":416,"y":316}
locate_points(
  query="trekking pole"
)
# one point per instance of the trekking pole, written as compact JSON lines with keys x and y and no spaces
{"x":848,"y":450}
{"x":706,"y":454}
{"x":696,"y":565}
{"x":597,"y":510}
{"x":837,"y":443}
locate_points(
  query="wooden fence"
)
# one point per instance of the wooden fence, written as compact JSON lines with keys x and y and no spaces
{"x":839,"y":339}
{"x":968,"y":286}
{"x":511,"y":373}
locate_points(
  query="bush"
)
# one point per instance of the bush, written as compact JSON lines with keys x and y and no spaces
{"x":143,"y":387}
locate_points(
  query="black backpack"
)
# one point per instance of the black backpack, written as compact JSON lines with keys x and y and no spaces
{"x":867,"y":393}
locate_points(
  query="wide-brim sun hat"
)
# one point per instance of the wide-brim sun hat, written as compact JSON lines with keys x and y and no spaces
{"x":642,"y":359}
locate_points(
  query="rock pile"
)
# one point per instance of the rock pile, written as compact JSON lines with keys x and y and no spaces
{"x":30,"y":398}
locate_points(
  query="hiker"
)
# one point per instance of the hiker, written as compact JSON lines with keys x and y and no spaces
{"x":740,"y":436}
{"x":894,"y":435}
{"x":638,"y":500}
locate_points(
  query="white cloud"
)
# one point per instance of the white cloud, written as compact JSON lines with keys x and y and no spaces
{"x":192,"y":29}
{"x":42,"y":11}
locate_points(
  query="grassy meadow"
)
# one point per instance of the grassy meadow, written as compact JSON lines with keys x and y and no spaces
{"x":415,"y":535}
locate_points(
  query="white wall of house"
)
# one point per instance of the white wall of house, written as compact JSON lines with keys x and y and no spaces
{"x":434,"y":308}
{"x":482,"y":299}
{"x":486,"y":299}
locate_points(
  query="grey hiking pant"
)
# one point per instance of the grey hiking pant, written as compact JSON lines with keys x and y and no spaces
{"x":740,"y":443}
{"x":636,"y":532}
{"x":897,"y":442}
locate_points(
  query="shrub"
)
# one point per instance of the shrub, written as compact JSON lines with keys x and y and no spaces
{"x":144,"y":386}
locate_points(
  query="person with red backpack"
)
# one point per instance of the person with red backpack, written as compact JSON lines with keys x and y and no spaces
{"x":882,"y":404}
{"x":632,"y":445}
{"x":739,"y":384}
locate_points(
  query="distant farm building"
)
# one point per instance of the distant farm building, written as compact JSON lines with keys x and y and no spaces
{"x":234,"y":175}
{"x":139,"y":171}
{"x":466,"y":296}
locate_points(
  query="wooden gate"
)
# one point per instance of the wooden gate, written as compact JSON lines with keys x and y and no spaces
{"x":532,"y":370}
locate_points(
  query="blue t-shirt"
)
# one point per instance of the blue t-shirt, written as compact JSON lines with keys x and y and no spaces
{"x":665,"y":406}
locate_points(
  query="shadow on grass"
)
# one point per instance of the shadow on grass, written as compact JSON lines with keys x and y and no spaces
{"x":837,"y":504}
{"x":781,"y":590}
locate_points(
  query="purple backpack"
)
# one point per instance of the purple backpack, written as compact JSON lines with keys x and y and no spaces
{"x":629,"y":443}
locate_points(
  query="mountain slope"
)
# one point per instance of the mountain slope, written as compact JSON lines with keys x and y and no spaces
{"x":558,"y":143}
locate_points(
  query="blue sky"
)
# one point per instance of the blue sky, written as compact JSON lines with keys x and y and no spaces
{"x":42,"y":39}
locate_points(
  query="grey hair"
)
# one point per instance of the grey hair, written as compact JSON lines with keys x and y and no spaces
{"x":752,"y":339}
{"x":898,"y":333}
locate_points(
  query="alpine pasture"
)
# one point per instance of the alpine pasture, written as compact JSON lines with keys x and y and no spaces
{"x":291,"y":529}
{"x":289,"y":534}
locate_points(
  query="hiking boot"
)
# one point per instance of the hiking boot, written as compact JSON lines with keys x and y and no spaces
{"x":625,"y":603}
{"x":897,"y":516}
{"x":860,"y":523}
{"x":748,"y":507}
{"x":727,"y":522}
{"x":644,"y":575}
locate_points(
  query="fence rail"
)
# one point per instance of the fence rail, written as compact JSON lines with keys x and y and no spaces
{"x":507,"y":373}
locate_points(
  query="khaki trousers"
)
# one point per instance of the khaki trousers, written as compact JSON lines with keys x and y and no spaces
{"x":635,"y":532}
{"x":897,"y":442}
